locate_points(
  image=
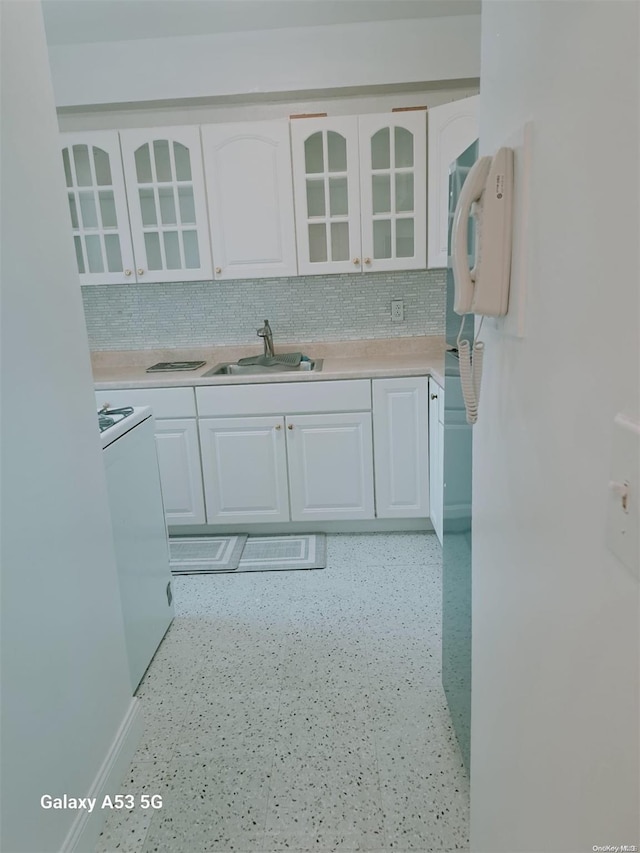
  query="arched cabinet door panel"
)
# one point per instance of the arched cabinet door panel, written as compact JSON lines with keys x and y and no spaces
{"x":452,"y":129}
{"x":327,"y":194}
{"x":393,"y":189}
{"x":167,"y":203}
{"x":250,"y":197}
{"x":98,"y":207}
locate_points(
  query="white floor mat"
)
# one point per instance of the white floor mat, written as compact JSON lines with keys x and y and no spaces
{"x":205,"y":554}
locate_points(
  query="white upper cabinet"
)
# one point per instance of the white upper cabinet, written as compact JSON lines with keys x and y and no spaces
{"x":393,"y":187}
{"x":248,"y":173}
{"x":98,"y":207}
{"x":452,"y":129}
{"x":167,"y":203}
{"x":327,"y":194}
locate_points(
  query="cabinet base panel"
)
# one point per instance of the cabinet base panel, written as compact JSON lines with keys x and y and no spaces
{"x":375,"y":525}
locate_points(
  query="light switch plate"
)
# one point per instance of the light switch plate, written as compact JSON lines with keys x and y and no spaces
{"x":623,"y":509}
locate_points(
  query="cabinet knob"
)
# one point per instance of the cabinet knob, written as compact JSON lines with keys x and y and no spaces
{"x":434,"y":396}
{"x":367,"y":260}
{"x":356,"y":261}
{"x":127,"y":272}
{"x":140,"y":272}
{"x":218,"y":270}
{"x":289,"y":426}
{"x":278,"y":426}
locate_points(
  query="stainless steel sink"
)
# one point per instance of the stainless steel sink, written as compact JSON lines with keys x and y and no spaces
{"x":232,"y":369}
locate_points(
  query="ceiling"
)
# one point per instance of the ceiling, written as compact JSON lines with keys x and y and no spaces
{"x":80,"y":21}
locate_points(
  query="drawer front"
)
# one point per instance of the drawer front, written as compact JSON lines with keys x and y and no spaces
{"x":165,"y":402}
{"x":284,"y":398}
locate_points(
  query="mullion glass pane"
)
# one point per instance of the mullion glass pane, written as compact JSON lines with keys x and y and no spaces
{"x":191,"y":252}
{"x":182,"y":161}
{"x":148,"y":208}
{"x":74,"y":211}
{"x":381,"y":193}
{"x":167,"y":206}
{"x":172,"y":250}
{"x":67,"y":167}
{"x":88,"y":210}
{"x":152,"y":249}
{"x":404,"y":147}
{"x":315,"y":198}
{"x":79,"y":257}
{"x":102,"y":167}
{"x":404,"y":238}
{"x":108,"y":209}
{"x":313,"y":154}
{"x":143,"y":165}
{"x":112,"y":249}
{"x":317,"y":242}
{"x":339,"y":241}
{"x":83,"y":167}
{"x":94,"y":253}
{"x":380,"y":149}
{"x":187,"y":205}
{"x":404,"y":191}
{"x":338,"y":201}
{"x":162,"y":160}
{"x":336,"y":152}
{"x":382,"y":238}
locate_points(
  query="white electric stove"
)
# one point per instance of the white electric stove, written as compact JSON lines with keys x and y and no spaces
{"x":139,"y":531}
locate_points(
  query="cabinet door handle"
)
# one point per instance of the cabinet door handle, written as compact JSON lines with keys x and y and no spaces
{"x":367,"y":260}
{"x":289,"y":426}
{"x":140,"y":272}
{"x":127,"y":272}
{"x":434,"y":396}
{"x":218,"y":270}
{"x":278,"y":426}
{"x":356,"y":261}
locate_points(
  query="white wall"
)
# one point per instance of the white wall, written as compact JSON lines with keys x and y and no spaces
{"x":268,"y":61}
{"x":555,"y":752}
{"x":65,"y":681}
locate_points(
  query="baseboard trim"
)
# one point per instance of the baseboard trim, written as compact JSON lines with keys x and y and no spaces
{"x":85,"y":830}
{"x":375,"y":525}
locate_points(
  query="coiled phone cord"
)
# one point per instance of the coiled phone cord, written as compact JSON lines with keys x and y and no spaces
{"x":470,"y":371}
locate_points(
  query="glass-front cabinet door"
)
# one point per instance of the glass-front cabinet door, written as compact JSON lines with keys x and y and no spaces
{"x":393,"y":186}
{"x":167,"y":204}
{"x":327,"y":197}
{"x":98,"y":207}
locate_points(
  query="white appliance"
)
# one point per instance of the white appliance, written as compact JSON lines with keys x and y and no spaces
{"x":139,"y":532}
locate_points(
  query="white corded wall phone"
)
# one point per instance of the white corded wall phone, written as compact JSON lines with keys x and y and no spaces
{"x":487,"y":195}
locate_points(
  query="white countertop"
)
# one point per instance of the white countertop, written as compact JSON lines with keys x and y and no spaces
{"x":369,"y":359}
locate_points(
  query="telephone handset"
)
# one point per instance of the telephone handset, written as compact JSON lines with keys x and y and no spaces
{"x":486,"y":195}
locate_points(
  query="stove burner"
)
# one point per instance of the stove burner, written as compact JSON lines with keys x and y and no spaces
{"x":108,"y":417}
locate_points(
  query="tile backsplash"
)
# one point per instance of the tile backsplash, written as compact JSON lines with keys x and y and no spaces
{"x":303,"y":308}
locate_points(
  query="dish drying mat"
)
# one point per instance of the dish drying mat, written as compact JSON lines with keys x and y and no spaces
{"x":291,"y":359}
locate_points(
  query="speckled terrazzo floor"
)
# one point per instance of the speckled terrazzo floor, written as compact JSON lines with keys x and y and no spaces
{"x":300,"y":711}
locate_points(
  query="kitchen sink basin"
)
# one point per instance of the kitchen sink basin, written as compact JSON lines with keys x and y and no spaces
{"x":233,"y":369}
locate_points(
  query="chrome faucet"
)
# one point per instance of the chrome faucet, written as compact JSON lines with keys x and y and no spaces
{"x":267,"y":338}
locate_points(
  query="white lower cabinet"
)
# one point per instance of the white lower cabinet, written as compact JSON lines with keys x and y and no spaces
{"x":244,"y":467}
{"x":330,"y":466}
{"x":436,"y":455}
{"x":179,"y":462}
{"x":401,"y":441}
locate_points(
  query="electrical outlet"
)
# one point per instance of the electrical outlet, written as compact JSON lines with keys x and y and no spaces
{"x":397,"y":310}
